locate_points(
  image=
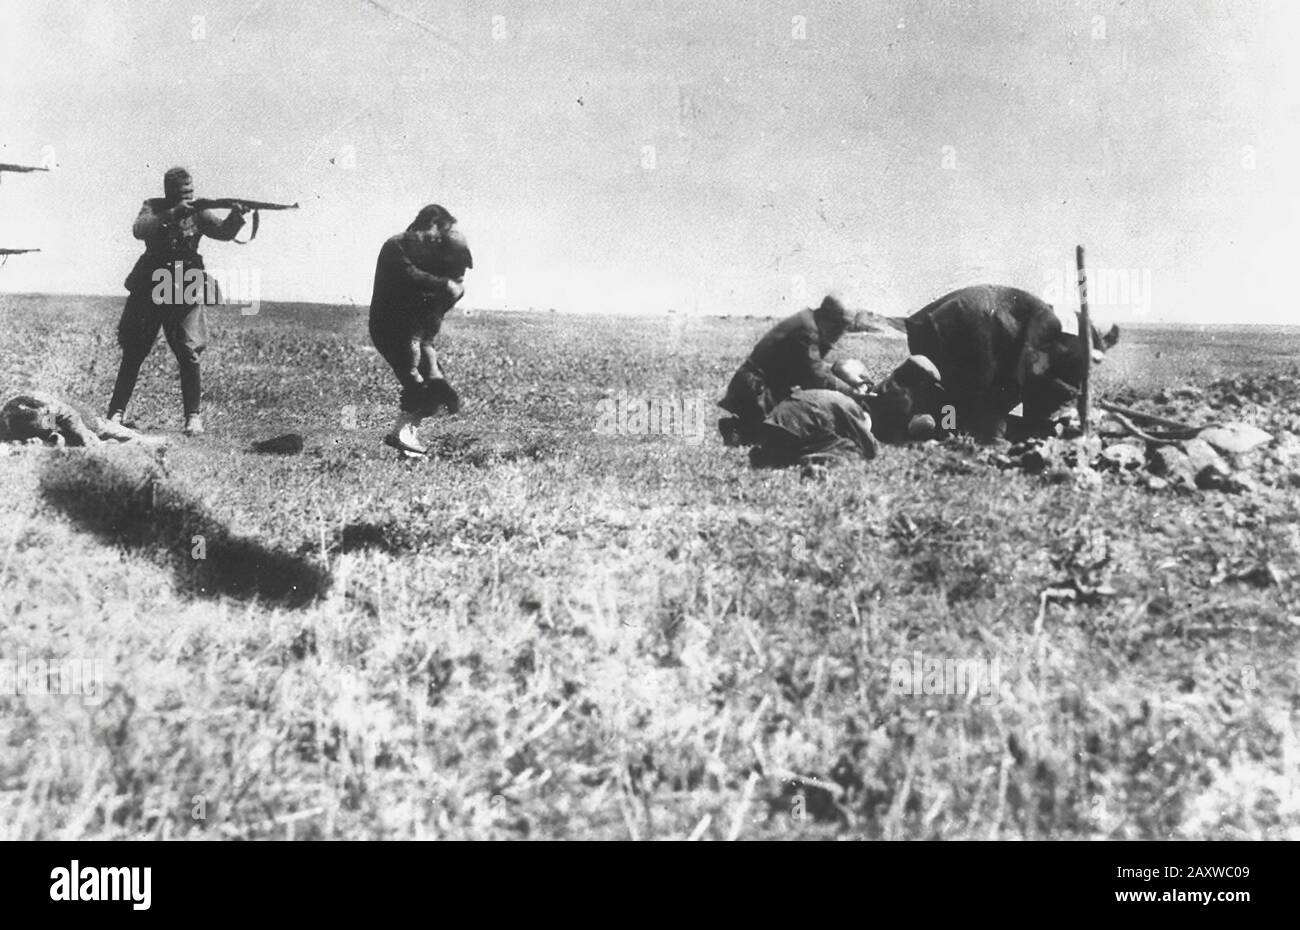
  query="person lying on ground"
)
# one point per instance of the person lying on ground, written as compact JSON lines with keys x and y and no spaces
{"x":40,"y":416}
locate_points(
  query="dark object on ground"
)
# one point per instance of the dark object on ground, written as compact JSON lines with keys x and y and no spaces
{"x":288,"y":444}
{"x":997,"y":347}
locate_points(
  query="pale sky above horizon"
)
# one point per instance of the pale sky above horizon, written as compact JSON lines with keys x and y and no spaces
{"x":743,"y":156}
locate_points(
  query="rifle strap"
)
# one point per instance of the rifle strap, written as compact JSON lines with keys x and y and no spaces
{"x":253,"y":234}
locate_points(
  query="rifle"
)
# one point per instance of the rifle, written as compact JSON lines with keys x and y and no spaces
{"x":20,"y":168}
{"x":7,"y":252}
{"x":229,"y":203}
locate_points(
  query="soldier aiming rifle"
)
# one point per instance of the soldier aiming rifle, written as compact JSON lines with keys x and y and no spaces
{"x":243,"y":206}
{"x":171,"y":227}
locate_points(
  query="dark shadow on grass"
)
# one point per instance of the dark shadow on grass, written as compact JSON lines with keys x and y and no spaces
{"x":132,"y":505}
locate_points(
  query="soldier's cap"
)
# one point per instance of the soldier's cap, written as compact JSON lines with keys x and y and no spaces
{"x":832,"y":308}
{"x":176,"y":181}
{"x":850,"y":370}
{"x":916,"y":370}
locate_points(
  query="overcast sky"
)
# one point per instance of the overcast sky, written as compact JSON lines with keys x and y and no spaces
{"x":647,"y":155}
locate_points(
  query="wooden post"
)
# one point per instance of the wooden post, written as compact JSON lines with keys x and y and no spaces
{"x":1085,"y":345}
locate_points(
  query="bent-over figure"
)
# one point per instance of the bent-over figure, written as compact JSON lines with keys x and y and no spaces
{"x":791,"y":354}
{"x":997,"y":347}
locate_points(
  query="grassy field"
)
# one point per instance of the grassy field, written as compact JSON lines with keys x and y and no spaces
{"x":549,"y":631}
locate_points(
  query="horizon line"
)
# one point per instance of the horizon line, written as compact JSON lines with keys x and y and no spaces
{"x":672,"y":311}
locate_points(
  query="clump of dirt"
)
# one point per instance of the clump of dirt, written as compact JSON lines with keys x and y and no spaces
{"x":1238,"y":435}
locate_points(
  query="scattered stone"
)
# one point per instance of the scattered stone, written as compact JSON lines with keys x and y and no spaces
{"x":1110,"y":428}
{"x":1034,"y":461}
{"x":1170,"y":462}
{"x":1049,"y":454}
{"x":1287,"y":450}
{"x":1253,"y":447}
{"x":1240,"y":483}
{"x":815,"y":471}
{"x":1182,"y":392}
{"x":1211,"y":479}
{"x":1203,"y":456}
{"x":1090,"y":447}
{"x":1235,"y":438}
{"x":1121,"y":456}
{"x":1214,"y":477}
{"x":1085,"y":477}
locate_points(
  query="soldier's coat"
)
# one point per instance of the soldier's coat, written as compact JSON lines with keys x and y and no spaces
{"x":792,"y":353}
{"x":997,"y":347}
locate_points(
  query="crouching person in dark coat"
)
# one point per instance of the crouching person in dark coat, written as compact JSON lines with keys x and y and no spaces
{"x":792,"y":354}
{"x":815,"y":429}
{"x":418,"y":278}
{"x":910,"y":404}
